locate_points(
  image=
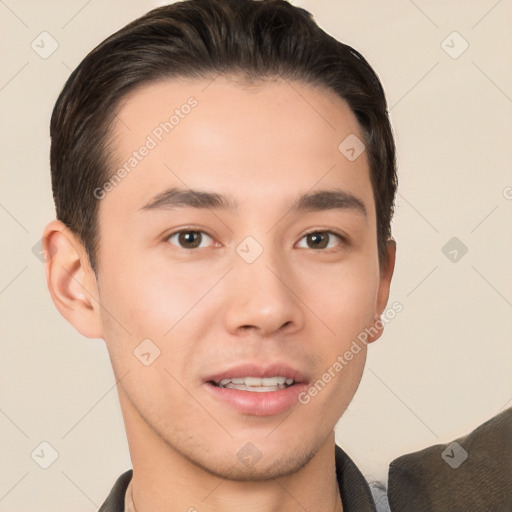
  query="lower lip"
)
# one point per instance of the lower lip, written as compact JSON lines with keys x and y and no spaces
{"x":256,"y":403}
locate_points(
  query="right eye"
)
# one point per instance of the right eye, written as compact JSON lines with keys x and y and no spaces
{"x":189,"y":239}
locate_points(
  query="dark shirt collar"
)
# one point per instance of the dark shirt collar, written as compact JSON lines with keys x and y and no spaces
{"x":354,"y":490}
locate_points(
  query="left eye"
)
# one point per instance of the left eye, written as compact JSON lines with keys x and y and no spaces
{"x":321,"y":239}
{"x":189,"y":239}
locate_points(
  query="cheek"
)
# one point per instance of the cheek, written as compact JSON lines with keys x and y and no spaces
{"x":345,"y":298}
{"x":147,"y":300}
{"x":346,"y":304}
{"x":146,"y":311}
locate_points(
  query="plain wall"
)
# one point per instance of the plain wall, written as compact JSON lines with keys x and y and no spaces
{"x":444,"y":363}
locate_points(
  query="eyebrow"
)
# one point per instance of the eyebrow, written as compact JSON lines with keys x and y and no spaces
{"x":320,"y":200}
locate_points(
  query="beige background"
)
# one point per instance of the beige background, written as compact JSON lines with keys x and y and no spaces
{"x":444,"y":363}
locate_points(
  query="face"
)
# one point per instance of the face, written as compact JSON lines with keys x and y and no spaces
{"x":221,"y":309}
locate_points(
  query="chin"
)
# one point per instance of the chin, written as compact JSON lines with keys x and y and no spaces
{"x":261,"y":470}
{"x":249,"y":463}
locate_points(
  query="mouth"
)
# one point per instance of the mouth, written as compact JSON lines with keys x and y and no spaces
{"x":256,"y":384}
{"x":257,"y":390}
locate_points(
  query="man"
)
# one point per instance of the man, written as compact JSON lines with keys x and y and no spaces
{"x":224,"y":179}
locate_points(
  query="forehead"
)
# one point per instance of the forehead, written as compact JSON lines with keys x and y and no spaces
{"x":258,"y":141}
{"x":306,"y":111}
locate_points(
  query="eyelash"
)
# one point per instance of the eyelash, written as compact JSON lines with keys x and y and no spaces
{"x":341,"y":237}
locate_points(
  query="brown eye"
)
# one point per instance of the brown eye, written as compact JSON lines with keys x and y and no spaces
{"x":189,"y":239}
{"x":321,"y":239}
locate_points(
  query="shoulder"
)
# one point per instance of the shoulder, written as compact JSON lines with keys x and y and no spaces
{"x":471,"y":473}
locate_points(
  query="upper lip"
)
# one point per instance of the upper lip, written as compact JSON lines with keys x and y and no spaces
{"x":258,"y":370}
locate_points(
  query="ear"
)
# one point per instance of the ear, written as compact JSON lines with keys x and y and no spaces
{"x":71,"y":280}
{"x":386,"y":273}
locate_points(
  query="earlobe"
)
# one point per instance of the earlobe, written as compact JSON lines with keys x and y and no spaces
{"x":71,"y":281}
{"x":386,"y":274}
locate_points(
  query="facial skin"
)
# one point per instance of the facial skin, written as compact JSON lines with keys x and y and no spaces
{"x":208,"y":310}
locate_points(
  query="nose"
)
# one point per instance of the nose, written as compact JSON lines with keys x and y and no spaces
{"x":262,"y":298}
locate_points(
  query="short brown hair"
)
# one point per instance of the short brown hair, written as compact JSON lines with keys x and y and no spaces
{"x":200,"y":39}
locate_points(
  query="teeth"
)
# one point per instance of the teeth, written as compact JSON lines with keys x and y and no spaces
{"x":257,"y":389}
{"x":256,"y":383}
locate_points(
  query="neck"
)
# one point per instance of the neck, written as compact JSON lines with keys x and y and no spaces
{"x":165,"y":480}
